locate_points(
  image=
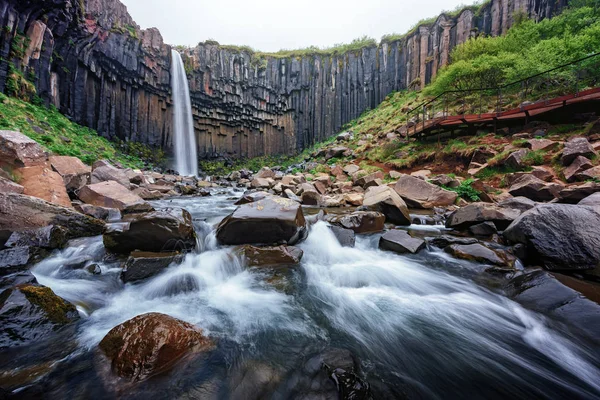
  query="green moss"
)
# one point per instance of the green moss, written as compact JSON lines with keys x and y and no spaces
{"x":59,"y":135}
{"x":56,"y":308}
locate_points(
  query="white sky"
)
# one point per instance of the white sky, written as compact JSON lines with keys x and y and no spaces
{"x":271,"y":25}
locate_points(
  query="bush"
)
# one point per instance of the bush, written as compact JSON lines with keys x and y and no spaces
{"x":466,"y":190}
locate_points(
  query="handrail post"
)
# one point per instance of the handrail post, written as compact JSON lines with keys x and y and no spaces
{"x":577,"y":79}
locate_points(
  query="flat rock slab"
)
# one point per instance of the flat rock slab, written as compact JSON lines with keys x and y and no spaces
{"x":401,"y":242}
{"x":270,"y":220}
{"x":275,"y":256}
{"x":144,"y":265}
{"x":476,"y":213}
{"x":74,"y":172}
{"x":111,"y":194}
{"x":359,"y":221}
{"x":478,"y":252}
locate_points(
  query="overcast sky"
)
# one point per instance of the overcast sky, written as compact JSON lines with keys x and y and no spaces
{"x":271,"y":25}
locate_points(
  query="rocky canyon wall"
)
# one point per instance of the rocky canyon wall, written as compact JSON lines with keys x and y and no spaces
{"x":93,"y":62}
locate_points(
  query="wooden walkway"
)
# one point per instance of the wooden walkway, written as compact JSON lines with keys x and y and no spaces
{"x":521,"y":113}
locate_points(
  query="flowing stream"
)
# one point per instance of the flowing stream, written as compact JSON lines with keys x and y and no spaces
{"x":422,"y":326}
{"x":184,"y":139}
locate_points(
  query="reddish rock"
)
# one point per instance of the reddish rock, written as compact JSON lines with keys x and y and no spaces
{"x":420,"y":194}
{"x":17,"y":150}
{"x":75,"y":173}
{"x":385,"y":200}
{"x":515,"y":159}
{"x":8,"y":186}
{"x":105,"y":172}
{"x":111,"y":194}
{"x":542,"y":144}
{"x":578,"y":165}
{"x":359,"y":221}
{"x":362,"y":180}
{"x":272,"y":256}
{"x":534,"y":188}
{"x":41,"y":182}
{"x":150,"y":344}
{"x":589,"y":174}
{"x":576,"y":147}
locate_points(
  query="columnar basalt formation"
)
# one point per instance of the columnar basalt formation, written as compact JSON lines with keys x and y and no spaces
{"x":93,"y":62}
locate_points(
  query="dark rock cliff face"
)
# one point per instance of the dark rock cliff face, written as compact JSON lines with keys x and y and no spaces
{"x":92,"y":61}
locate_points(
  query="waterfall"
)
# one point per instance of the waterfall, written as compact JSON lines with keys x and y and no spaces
{"x":184,"y":140}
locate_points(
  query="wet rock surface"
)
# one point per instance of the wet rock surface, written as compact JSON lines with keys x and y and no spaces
{"x":267,"y":221}
{"x":164,"y":230}
{"x":477,"y":213}
{"x":278,"y":256}
{"x":150,"y":344}
{"x":401,"y":242}
{"x":143,"y":265}
{"x":359,"y":221}
{"x":389,"y":203}
{"x":30,"y":312}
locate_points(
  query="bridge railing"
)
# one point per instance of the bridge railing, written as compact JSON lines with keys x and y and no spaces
{"x":567,"y":79}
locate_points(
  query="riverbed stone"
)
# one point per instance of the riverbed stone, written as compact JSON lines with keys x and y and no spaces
{"x":19,"y":212}
{"x":480,"y":253}
{"x":143,"y":265}
{"x":42,"y":182}
{"x":420,"y":194}
{"x":103,"y":171}
{"x":359,"y":221}
{"x":385,"y":200}
{"x":560,"y":236}
{"x":150,"y":344}
{"x":270,"y":220}
{"x":111,"y":194}
{"x":346,"y":237}
{"x":534,"y":188}
{"x":401,"y":242}
{"x":274,"y":256}
{"x":30,"y":312}
{"x":476,"y":213}
{"x":165,"y":230}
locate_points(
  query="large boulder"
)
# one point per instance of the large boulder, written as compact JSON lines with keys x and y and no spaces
{"x":19,"y":212}
{"x":346,"y":237}
{"x":476,"y":213}
{"x":164,"y":230}
{"x":104,"y":172}
{"x":266,"y":221}
{"x":560,"y":236}
{"x":516,"y":159}
{"x":150,"y":344}
{"x":143,"y":265}
{"x":41,"y":182}
{"x":534,"y":188}
{"x":366,"y":180}
{"x":401,"y":242}
{"x":388,"y":202}
{"x":420,"y":194}
{"x":17,"y":259}
{"x":591,"y":201}
{"x":17,"y":150}
{"x":111,"y":194}
{"x":518,"y":203}
{"x":359,"y":221}
{"x":30,"y":312}
{"x":275,"y":256}
{"x":576,"y":147}
{"x":74,"y":173}
{"x":589,"y":174}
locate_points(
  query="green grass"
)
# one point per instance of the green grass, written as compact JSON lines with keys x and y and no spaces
{"x":466,"y":190}
{"x":58,"y":135}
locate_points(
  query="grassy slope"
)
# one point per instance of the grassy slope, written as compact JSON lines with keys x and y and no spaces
{"x":60,"y":136}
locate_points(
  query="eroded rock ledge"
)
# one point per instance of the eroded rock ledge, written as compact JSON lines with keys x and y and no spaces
{"x":103,"y":71}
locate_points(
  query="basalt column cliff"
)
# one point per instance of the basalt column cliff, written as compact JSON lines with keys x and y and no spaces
{"x":93,"y":62}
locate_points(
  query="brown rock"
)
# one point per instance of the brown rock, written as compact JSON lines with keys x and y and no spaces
{"x":310,"y":198}
{"x":41,"y":182}
{"x":150,"y":344}
{"x":422,"y":174}
{"x":362,"y":180}
{"x":401,"y":242}
{"x":272,"y":256}
{"x":359,"y":221}
{"x":17,"y":150}
{"x":515,"y":159}
{"x":143,"y":265}
{"x":385,"y":200}
{"x":589,"y":174}
{"x":19,"y":212}
{"x":578,"y":165}
{"x":477,"y":213}
{"x":480,"y":253}
{"x":354,"y":199}
{"x":534,"y":188}
{"x":105,"y":172}
{"x":165,"y":230}
{"x":574,"y":194}
{"x":75,"y":173}
{"x":542,"y":144}
{"x":8,"y":186}
{"x":420,"y":194}
{"x":351,"y":169}
{"x":264,"y":173}
{"x":111,"y":194}
{"x":266,"y":221}
{"x":577,"y":147}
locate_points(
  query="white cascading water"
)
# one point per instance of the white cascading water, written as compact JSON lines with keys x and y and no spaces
{"x":184,"y":139}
